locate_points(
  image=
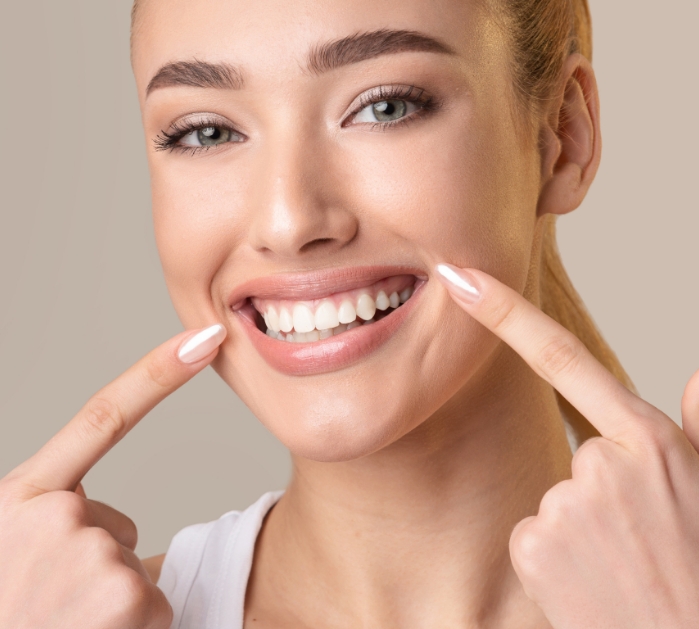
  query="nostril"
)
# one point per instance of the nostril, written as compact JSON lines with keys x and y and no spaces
{"x":315,"y":244}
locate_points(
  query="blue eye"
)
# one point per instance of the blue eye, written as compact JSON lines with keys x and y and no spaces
{"x":386,"y":111}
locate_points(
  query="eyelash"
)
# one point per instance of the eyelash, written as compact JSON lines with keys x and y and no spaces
{"x":169,"y":140}
{"x":409,"y":93}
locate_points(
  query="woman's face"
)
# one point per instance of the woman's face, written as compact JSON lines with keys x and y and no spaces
{"x":313,"y":159}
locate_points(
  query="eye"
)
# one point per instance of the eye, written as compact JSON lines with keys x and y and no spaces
{"x":210,"y":136}
{"x":386,"y":111}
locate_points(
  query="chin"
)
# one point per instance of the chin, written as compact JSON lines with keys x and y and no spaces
{"x":334,"y":428}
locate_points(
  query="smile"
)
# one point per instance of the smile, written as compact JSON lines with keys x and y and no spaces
{"x":324,"y":321}
{"x":312,"y":321}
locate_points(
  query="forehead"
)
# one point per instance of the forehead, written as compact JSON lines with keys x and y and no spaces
{"x":275,"y":36}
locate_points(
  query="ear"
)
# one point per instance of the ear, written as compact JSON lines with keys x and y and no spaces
{"x":570,"y":140}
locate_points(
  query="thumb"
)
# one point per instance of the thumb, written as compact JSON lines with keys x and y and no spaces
{"x":690,"y":411}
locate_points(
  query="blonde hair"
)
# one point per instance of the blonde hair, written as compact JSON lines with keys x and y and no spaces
{"x":543,"y":33}
{"x":561,"y":302}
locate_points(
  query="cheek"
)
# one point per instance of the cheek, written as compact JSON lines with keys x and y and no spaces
{"x":465,"y":197}
{"x":197,"y":224}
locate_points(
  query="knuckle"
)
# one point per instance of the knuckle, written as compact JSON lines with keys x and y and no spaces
{"x":529,"y":551}
{"x":659,"y":435}
{"x":558,"y":506}
{"x":161,"y":613}
{"x":104,"y":416}
{"x":140,"y":602}
{"x":560,"y":355}
{"x":592,"y":460}
{"x":166,"y":615}
{"x":123,"y":526}
{"x":67,"y":510}
{"x":129,"y":533}
{"x":100,"y":544}
{"x":134,"y":587}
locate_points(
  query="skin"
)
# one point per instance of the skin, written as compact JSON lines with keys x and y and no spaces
{"x":464,"y":185}
{"x":433,"y":484}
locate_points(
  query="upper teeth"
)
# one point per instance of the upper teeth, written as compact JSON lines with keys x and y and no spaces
{"x":330,"y":314}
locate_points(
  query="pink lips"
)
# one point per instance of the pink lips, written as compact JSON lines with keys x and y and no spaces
{"x":334,"y":353}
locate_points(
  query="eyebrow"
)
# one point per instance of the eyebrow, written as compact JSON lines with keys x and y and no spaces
{"x":321,"y":58}
{"x":222,"y":76}
{"x":363,"y":46}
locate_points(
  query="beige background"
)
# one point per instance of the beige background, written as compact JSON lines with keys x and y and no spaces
{"x":80,"y":282}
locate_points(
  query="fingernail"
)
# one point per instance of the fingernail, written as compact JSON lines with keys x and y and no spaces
{"x":460,"y":282}
{"x":201,"y":344}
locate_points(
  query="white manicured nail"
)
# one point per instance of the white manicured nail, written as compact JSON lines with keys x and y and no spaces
{"x":201,"y":344}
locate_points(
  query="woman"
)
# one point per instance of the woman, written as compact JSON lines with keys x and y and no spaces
{"x":354,"y":209}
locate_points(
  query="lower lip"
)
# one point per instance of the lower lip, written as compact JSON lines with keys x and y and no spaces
{"x":334,"y":353}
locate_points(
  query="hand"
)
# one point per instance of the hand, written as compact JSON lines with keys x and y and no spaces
{"x":67,"y":562}
{"x":616,"y":546}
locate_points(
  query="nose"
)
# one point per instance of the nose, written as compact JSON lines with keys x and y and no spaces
{"x":298,"y":207}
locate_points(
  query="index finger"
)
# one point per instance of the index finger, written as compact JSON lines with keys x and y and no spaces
{"x":111,"y":413}
{"x":553,"y":352}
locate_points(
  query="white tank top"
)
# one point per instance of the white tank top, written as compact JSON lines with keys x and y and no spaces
{"x":207,"y":566}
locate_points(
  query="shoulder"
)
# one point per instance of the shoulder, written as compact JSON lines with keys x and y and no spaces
{"x":153,"y":566}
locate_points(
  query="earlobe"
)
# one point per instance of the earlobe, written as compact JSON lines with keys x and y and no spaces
{"x":570,"y":141}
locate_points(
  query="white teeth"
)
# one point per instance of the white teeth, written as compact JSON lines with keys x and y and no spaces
{"x":304,"y":321}
{"x":366,"y":308}
{"x":326,"y":316}
{"x":272,"y":319}
{"x":286,"y":323}
{"x":382,"y":302}
{"x":297,"y":323}
{"x":347,"y":313}
{"x":305,"y":337}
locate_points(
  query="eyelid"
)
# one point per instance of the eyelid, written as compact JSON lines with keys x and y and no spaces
{"x":201,"y":118}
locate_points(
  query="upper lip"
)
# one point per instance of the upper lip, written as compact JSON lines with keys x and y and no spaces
{"x":315,"y":284}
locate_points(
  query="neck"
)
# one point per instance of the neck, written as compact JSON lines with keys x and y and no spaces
{"x":416,"y":535}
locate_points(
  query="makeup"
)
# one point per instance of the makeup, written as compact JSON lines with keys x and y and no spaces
{"x":324,"y":321}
